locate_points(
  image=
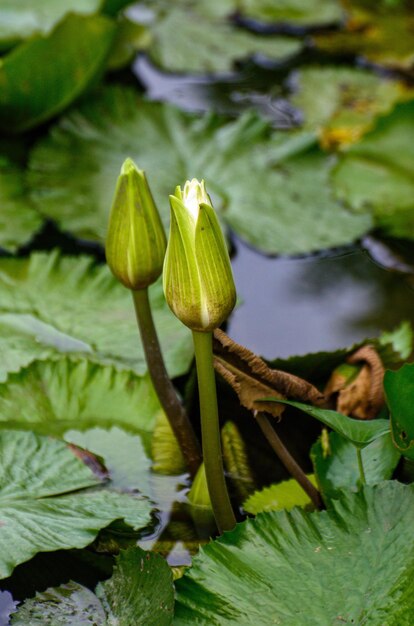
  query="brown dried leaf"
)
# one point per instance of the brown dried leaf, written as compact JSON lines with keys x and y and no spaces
{"x":252,"y":379}
{"x":363,"y":397}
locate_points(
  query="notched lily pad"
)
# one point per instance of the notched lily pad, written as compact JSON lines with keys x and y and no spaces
{"x":281,"y":497}
{"x":293,"y":12}
{"x":263,"y":182}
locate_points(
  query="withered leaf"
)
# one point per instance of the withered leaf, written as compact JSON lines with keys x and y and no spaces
{"x":252,"y":379}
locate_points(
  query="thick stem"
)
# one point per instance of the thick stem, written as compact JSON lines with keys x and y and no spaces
{"x":288,"y":461}
{"x":361,"y":466}
{"x":210,"y":431}
{"x":164,"y":388}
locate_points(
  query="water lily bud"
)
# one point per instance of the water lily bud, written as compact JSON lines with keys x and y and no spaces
{"x":198,"y":280}
{"x":135,"y":242}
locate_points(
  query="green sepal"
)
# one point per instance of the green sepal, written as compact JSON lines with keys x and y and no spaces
{"x":136,"y":242}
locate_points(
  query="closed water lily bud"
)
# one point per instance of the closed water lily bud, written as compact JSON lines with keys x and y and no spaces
{"x":135,"y":242}
{"x":198,"y":280}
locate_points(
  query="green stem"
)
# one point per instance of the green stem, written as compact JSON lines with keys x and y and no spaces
{"x":288,"y":461}
{"x":163,"y":386}
{"x":210,"y":431}
{"x":361,"y":466}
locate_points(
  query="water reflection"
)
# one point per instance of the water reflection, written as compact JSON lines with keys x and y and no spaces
{"x":295,"y":306}
{"x":7,"y":606}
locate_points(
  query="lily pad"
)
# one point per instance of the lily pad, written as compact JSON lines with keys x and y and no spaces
{"x":336,"y":464}
{"x":44,"y":501}
{"x":54,"y":304}
{"x":381,"y":34}
{"x":376,"y":174}
{"x":19,"y":220}
{"x":295,"y":12}
{"x":186,"y":39}
{"x":358,"y":432}
{"x":399,"y":390}
{"x":140,"y":592}
{"x":22,"y":19}
{"x":53,"y":396}
{"x":342,"y":103}
{"x":263,"y":182}
{"x":66,"y":62}
{"x":353,"y":564}
{"x":281,"y":497}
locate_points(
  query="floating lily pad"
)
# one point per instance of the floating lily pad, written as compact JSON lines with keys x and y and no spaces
{"x":336,"y":463}
{"x":22,"y":18}
{"x":272,"y":189}
{"x":19,"y":220}
{"x":44,"y":501}
{"x":281,"y":497}
{"x":186,"y":39}
{"x":353,"y":564}
{"x":295,"y":12}
{"x":380,"y":33}
{"x":52,"y":305}
{"x":54,"y":395}
{"x":44,"y":75}
{"x":140,"y":592}
{"x":343,"y":103}
{"x":377,"y":174}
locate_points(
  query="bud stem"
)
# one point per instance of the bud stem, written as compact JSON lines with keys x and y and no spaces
{"x":163,"y":386}
{"x":210,"y":430}
{"x":287,"y":459}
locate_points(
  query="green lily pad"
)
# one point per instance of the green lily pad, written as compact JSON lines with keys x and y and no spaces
{"x":44,"y":503}
{"x":281,"y":497}
{"x":351,"y":564}
{"x":67,"y":61}
{"x":22,"y":19}
{"x":263,"y":182}
{"x":186,"y":39}
{"x":376,"y":174}
{"x":381,"y":34}
{"x":295,"y":12}
{"x":358,"y":432}
{"x":52,"y":304}
{"x":337,"y":466}
{"x":53,"y":396}
{"x":19,"y":220}
{"x":399,"y":390}
{"x":140,"y":592}
{"x":342,"y":103}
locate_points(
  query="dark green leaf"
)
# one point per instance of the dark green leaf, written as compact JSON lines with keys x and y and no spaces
{"x":42,"y":76}
{"x":337,"y":467}
{"x":399,"y":390}
{"x":358,"y":432}
{"x":140,"y":593}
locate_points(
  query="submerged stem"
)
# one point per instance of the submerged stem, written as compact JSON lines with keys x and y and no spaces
{"x":210,"y":430}
{"x":288,"y":461}
{"x":361,"y":466}
{"x":164,"y":388}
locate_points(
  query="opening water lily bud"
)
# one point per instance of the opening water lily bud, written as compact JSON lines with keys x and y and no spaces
{"x":136,"y":242}
{"x":198,"y":280}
